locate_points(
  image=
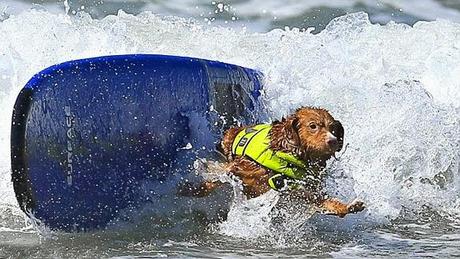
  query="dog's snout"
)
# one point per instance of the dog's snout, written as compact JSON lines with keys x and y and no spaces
{"x":332,"y":140}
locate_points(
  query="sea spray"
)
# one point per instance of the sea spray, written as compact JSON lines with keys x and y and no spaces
{"x":395,"y":89}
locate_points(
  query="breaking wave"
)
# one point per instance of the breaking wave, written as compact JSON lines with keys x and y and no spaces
{"x":394,"y":87}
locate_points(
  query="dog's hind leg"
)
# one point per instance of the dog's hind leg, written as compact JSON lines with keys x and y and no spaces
{"x":211,"y":170}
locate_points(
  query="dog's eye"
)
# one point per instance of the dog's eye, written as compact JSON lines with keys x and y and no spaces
{"x":313,"y":126}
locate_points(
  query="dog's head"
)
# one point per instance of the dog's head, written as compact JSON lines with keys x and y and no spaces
{"x":319,"y":134}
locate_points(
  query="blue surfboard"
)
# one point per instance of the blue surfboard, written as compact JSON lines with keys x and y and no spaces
{"x":87,"y":133}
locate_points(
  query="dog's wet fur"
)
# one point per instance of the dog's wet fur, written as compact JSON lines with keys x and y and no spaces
{"x":311,"y":134}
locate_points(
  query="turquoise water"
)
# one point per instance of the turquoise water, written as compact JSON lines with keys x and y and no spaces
{"x":394,"y":86}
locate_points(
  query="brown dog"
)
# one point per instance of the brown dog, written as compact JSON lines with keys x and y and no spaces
{"x":311,"y":135}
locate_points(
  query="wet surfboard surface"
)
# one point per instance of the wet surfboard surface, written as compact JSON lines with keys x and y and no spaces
{"x":87,"y":133}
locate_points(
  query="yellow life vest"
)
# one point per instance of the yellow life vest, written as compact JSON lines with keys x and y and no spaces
{"x":254,"y":143}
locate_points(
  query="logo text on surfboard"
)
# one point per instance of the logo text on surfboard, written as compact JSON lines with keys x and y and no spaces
{"x":69,"y":122}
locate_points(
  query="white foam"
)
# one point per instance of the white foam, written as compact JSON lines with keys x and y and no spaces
{"x":395,"y":88}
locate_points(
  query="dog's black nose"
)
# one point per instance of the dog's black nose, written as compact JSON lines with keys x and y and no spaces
{"x":333,"y":143}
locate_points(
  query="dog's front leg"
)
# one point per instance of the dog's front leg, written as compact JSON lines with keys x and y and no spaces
{"x":335,"y":207}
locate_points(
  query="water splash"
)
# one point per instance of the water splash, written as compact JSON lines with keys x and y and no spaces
{"x":394,"y":87}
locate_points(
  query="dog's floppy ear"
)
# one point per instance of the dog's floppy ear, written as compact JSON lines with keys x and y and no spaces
{"x":292,"y":130}
{"x":338,"y":131}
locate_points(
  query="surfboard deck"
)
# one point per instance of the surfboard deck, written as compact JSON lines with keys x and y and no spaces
{"x":86,"y":133}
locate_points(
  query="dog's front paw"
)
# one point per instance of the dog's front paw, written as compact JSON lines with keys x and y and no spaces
{"x":356,"y":206}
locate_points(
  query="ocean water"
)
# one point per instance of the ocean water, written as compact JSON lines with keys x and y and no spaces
{"x":394,"y":85}
{"x":256,"y":15}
